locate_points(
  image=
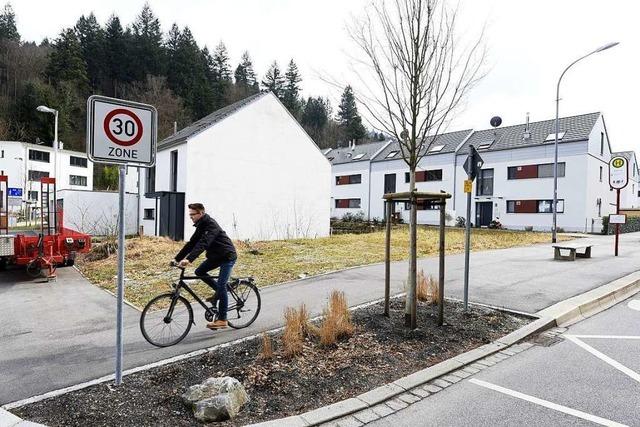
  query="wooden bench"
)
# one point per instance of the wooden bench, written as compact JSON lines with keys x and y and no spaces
{"x":573,"y":251}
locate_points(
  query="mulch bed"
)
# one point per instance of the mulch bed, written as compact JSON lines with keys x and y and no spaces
{"x":380,"y":351}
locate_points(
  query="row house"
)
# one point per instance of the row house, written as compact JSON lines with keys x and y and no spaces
{"x":515,"y":185}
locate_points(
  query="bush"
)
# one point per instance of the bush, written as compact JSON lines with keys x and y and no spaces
{"x":461,"y":222}
{"x":266,"y":352}
{"x":528,"y":228}
{"x":337,"y":320}
{"x":292,"y":335}
{"x":349,"y":217}
{"x":495,"y":224}
{"x":427,"y":289}
{"x":632,"y":225}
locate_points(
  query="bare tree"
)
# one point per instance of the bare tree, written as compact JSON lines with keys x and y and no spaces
{"x":415,"y":75}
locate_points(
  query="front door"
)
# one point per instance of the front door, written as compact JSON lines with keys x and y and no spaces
{"x":390,"y":187}
{"x":484,"y":213}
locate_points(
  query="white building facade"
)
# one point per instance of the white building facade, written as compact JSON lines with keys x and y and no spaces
{"x":254,"y":168}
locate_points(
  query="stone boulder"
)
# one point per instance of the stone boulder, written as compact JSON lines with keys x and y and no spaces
{"x":216,"y":399}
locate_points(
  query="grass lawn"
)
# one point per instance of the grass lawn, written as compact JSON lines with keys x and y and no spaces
{"x":149,"y":274}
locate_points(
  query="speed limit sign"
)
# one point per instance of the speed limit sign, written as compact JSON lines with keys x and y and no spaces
{"x":120,"y":131}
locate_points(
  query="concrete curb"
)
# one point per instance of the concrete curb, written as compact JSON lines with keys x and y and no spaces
{"x":561,"y":314}
{"x":7,"y":419}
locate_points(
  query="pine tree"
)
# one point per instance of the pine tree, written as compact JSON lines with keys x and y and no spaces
{"x":92,"y":43}
{"x":291,"y":91}
{"x":66,"y":62}
{"x":348,"y":117}
{"x":221,"y":76}
{"x":116,"y":53}
{"x":274,"y":80}
{"x":147,"y":46}
{"x":245,"y":76}
{"x":8,"y":29}
{"x":315,"y":116}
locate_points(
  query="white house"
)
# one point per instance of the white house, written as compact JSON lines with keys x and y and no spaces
{"x":251,"y":164}
{"x":350,"y":173}
{"x":630,"y":195}
{"x":436,"y":172}
{"x":515,"y":185}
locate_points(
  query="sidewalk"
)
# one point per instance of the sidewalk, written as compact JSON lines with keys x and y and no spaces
{"x":63,"y":333}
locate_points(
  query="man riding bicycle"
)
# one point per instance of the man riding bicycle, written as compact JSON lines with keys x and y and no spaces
{"x":220,"y":252}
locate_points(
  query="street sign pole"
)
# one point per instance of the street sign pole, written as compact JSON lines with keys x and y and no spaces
{"x":618,"y":179}
{"x":617,"y":224}
{"x":120,"y":293}
{"x":472,"y":167}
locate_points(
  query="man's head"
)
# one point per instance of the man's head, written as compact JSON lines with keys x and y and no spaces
{"x":196,"y":211}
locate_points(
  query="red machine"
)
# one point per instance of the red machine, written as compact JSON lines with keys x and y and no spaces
{"x":54,"y":246}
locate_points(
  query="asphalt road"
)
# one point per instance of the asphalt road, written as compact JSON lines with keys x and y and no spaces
{"x":590,"y":376}
{"x":54,"y":335}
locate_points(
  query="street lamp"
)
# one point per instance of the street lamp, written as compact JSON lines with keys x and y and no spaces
{"x":555,"y":161}
{"x":25,"y":197}
{"x":44,"y":109}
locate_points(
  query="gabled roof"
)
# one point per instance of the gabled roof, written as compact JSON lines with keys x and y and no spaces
{"x":449,"y":142}
{"x":576,"y":128}
{"x":351,"y":155}
{"x":208,"y":121}
{"x":629,"y":155}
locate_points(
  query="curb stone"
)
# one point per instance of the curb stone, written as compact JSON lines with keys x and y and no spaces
{"x":7,"y":419}
{"x":553,"y":319}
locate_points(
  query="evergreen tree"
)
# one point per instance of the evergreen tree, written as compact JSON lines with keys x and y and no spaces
{"x":274,"y":80}
{"x":116,"y":53}
{"x":66,"y":62}
{"x":221,"y":76}
{"x":315,"y":116}
{"x":92,"y":43}
{"x":348,"y":117}
{"x":8,"y":29}
{"x":245,"y":76}
{"x":147,"y":46}
{"x":291,"y":90}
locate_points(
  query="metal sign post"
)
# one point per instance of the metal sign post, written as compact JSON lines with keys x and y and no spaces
{"x":618,"y":179}
{"x":472,"y":166}
{"x":124,"y":133}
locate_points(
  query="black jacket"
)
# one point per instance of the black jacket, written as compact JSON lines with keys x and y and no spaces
{"x":210,"y":237}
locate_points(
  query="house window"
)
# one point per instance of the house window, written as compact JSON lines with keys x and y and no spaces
{"x":534,"y":171}
{"x":552,"y":136}
{"x":80,"y":162}
{"x":348,"y":203}
{"x":391,"y":154}
{"x":78,"y":180}
{"x":174,"y":170}
{"x":485,"y":145}
{"x":36,"y":175}
{"x":436,"y":149}
{"x":602,"y":143}
{"x":39,"y":156}
{"x":150,"y":180}
{"x":149,"y":214}
{"x":348,"y":179}
{"x":485,"y":183}
{"x":533,"y":206}
{"x":422,"y":176}
{"x":1,"y":154}
{"x":359,"y":156}
{"x":33,"y":195}
{"x":600,"y":173}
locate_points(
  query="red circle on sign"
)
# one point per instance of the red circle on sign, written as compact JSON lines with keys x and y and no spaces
{"x":112,"y":137}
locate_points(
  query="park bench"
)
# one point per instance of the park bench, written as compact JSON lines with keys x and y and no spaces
{"x":573,"y":251}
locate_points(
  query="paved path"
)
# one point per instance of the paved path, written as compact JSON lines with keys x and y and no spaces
{"x":54,"y":335}
{"x":588,"y":375}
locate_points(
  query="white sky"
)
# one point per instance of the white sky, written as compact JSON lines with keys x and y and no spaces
{"x":530,"y":43}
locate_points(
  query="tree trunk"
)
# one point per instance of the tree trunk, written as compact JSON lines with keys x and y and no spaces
{"x":410,"y":304}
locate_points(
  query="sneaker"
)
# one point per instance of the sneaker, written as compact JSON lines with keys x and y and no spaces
{"x":218,"y":324}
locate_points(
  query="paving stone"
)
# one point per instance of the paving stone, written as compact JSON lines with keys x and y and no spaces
{"x":366,"y":416}
{"x":478,"y":366}
{"x":441,"y":383}
{"x":452,"y":378}
{"x":420,"y":392}
{"x":494,"y":359}
{"x":432,"y":388}
{"x":381,"y":394}
{"x":383,"y":410}
{"x":471,"y":370}
{"x":347,"y":422}
{"x":485,"y":362}
{"x":461,"y":373}
{"x":409,"y":398}
{"x":397,"y":404}
{"x":508,"y":352}
{"x":500,"y":356}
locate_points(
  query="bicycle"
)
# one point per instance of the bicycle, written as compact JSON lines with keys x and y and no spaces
{"x":170,"y":314}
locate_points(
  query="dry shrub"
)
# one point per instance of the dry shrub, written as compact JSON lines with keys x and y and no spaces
{"x":427,"y":289}
{"x":308,"y":328}
{"x":266,"y":352}
{"x":337,"y":320}
{"x":293,"y":333}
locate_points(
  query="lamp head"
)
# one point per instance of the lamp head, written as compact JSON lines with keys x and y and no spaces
{"x":607,"y":46}
{"x":44,"y":109}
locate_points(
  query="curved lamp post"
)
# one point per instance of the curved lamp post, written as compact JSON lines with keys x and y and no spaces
{"x":555,"y":161}
{"x":44,"y":109}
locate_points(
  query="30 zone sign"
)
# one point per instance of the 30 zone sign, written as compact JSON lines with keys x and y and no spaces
{"x":121,"y":131}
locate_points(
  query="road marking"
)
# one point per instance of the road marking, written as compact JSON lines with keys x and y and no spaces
{"x":615,"y":337}
{"x":546,"y":404}
{"x":634,"y":304}
{"x":619,"y":366}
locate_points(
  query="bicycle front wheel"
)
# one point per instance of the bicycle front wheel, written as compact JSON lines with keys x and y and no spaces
{"x":244,"y":305}
{"x":166,"y":320}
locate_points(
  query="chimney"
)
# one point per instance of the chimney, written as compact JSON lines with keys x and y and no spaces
{"x":526,"y":136}
{"x":175,"y":127}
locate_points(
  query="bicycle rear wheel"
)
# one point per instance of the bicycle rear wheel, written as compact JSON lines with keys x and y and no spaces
{"x":244,"y":305}
{"x":166,"y":320}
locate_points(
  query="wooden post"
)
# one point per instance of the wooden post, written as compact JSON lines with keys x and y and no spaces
{"x":443,"y":204}
{"x":413,"y":254}
{"x":387,"y":260}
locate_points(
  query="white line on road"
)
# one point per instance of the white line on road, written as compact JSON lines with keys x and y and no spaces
{"x":546,"y":403}
{"x":634,"y":304}
{"x":619,"y":366}
{"x":615,"y":337}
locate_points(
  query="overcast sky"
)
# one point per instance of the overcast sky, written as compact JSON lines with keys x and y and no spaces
{"x":529,"y":42}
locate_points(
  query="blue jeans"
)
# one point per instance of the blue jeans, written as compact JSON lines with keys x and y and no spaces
{"x":220,"y":285}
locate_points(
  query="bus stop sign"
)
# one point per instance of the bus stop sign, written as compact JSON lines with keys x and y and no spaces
{"x":121,"y":132}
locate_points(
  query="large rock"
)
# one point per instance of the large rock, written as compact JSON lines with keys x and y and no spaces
{"x":216,"y":399}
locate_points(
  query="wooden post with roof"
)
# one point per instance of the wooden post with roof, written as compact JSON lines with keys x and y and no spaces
{"x":415,"y":197}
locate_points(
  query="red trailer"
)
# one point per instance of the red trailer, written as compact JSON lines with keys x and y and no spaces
{"x":40,"y":252}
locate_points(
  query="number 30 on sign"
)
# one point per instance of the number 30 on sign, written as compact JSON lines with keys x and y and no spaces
{"x":121,"y":131}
